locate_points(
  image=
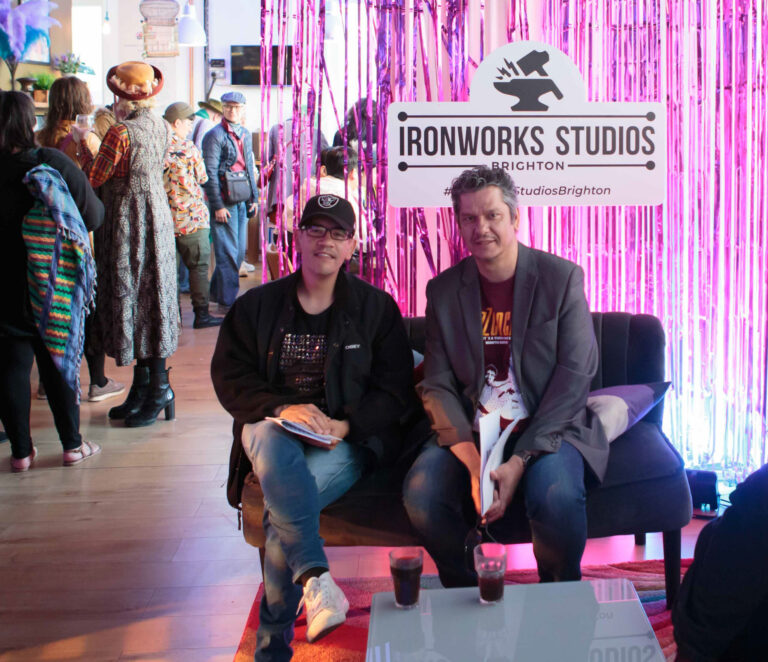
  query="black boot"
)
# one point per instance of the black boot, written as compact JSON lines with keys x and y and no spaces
{"x":136,"y":395}
{"x":160,"y":396}
{"x":204,"y":319}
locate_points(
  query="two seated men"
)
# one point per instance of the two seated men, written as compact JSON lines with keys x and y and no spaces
{"x":325,"y":349}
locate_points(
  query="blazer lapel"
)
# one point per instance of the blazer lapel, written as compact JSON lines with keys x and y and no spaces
{"x":526,"y":276}
{"x":470,"y":304}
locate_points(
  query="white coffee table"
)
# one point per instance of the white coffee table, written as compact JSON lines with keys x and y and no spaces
{"x":595,"y":621}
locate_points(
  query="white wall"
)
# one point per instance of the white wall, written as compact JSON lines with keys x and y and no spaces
{"x":125,"y":42}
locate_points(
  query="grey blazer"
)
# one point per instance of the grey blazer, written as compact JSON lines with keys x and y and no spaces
{"x":554,"y":353}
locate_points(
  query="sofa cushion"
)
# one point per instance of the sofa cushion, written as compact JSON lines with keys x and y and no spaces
{"x":641,"y":453}
{"x":619,"y":407}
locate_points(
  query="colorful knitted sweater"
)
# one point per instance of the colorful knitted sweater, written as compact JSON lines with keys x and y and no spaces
{"x":61,"y":273}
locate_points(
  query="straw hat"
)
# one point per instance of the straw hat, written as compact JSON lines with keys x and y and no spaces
{"x":135,"y":80}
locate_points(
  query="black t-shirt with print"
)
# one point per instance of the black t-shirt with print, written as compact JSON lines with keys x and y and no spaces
{"x":303,"y":352}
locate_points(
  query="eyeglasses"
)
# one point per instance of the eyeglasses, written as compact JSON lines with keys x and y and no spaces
{"x":231,"y":106}
{"x":319,"y":231}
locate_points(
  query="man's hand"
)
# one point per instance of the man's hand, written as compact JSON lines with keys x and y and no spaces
{"x":314,"y":419}
{"x":222,"y":215}
{"x":339,"y":429}
{"x":78,"y":133}
{"x":309,"y":416}
{"x":252,"y":210}
{"x":467,"y":453}
{"x":507,"y":478}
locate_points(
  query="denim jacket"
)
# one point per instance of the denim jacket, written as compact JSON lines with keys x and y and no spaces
{"x":220,"y":154}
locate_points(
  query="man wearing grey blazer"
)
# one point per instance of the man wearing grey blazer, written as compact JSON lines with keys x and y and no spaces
{"x":507,"y":329}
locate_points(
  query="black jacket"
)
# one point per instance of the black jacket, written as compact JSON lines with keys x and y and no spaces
{"x":220,"y":153}
{"x":368,"y":373}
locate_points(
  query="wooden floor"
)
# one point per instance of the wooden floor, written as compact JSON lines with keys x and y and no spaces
{"x":135,"y":554}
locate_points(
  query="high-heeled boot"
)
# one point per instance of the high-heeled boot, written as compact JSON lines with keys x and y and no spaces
{"x":160,"y":397}
{"x":136,"y":395}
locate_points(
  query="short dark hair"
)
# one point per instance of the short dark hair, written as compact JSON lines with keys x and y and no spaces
{"x":17,"y":121}
{"x":333,"y":160}
{"x":480,"y":177}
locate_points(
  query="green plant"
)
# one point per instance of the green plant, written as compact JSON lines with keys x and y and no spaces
{"x":43,"y":81}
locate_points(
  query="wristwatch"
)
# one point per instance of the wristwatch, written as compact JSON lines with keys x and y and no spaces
{"x":526,"y":457}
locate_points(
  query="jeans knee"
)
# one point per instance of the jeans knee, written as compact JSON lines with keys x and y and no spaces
{"x":267,"y":449}
{"x":419,"y":495}
{"x":561,"y":503}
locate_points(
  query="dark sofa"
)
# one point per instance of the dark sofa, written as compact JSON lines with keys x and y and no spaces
{"x":645,"y":487}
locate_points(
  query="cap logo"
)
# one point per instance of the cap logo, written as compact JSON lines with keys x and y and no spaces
{"x":327,"y":201}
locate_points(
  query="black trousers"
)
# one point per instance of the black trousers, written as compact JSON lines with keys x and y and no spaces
{"x":722,"y":609}
{"x":16,"y":355}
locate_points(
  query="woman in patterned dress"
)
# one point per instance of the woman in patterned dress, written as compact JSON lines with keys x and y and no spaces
{"x":136,"y":306}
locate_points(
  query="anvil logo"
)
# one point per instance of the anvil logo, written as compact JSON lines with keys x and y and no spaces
{"x":527,"y":90}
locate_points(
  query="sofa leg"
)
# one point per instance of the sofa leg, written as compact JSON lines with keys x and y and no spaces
{"x":672,"y":564}
{"x":639,"y":539}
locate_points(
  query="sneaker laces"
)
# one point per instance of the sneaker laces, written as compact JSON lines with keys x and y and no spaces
{"x":315,"y":597}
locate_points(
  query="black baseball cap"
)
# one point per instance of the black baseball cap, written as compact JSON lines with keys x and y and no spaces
{"x":332,"y":207}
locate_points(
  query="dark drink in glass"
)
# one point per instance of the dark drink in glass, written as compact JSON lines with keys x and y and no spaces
{"x":490,"y":564}
{"x":406,"y":564}
{"x":491,"y":586}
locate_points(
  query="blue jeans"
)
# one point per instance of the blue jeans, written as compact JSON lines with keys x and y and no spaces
{"x":298,"y":481}
{"x":437,"y":497}
{"x":229,"y":240}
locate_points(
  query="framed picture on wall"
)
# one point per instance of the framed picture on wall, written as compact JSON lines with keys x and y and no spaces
{"x":39,"y":52}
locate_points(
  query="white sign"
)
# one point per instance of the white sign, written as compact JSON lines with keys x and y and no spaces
{"x":527,"y":113}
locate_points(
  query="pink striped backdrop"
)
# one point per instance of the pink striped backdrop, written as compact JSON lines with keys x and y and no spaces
{"x":698,"y":263}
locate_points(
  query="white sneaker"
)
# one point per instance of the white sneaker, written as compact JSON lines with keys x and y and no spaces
{"x":326,"y":606}
{"x":250,"y":268}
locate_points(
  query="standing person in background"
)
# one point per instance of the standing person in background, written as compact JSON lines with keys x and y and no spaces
{"x":275,"y":150}
{"x":103,"y":119}
{"x":232,"y":196}
{"x":68,"y":98}
{"x":184,"y":174}
{"x":364,"y":136}
{"x":20,"y":340}
{"x":208,"y":116}
{"x":137,"y":310}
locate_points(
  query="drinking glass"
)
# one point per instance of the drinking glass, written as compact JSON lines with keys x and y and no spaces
{"x":406,"y":564}
{"x":490,"y":564}
{"x":84,"y":122}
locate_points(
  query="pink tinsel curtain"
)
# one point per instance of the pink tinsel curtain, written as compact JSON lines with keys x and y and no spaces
{"x":698,"y":262}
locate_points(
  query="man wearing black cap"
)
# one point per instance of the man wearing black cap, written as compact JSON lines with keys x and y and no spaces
{"x":324,"y":349}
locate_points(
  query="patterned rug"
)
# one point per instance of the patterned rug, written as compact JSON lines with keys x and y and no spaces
{"x":347,"y":643}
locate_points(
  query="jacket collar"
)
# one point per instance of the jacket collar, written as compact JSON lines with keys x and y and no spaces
{"x":235,"y":130}
{"x":470,"y":303}
{"x":526,"y":275}
{"x":344,"y":297}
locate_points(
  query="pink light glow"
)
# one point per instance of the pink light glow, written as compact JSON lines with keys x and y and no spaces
{"x":698,"y":262}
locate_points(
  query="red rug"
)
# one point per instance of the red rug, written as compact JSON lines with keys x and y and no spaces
{"x":348,"y":642}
